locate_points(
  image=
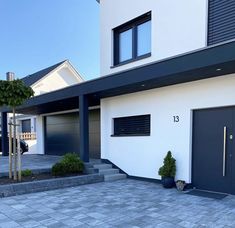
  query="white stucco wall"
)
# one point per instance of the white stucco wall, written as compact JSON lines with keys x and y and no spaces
{"x":177,"y":27}
{"x":142,"y":156}
{"x":40,"y":135}
{"x":56,"y":80}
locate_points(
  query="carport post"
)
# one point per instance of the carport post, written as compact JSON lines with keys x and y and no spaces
{"x":84,"y":128}
{"x":4,"y":134}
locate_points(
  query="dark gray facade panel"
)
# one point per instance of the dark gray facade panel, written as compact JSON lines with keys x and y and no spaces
{"x":84,"y":128}
{"x":4,"y":134}
{"x":62,"y":134}
{"x":221,"y":21}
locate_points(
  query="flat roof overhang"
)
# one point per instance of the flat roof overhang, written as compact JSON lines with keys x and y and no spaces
{"x":201,"y":64}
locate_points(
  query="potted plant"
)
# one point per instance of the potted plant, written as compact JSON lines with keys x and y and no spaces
{"x":180,"y":185}
{"x":167,"y":171}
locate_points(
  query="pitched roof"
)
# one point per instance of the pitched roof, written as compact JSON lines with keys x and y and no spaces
{"x":32,"y":78}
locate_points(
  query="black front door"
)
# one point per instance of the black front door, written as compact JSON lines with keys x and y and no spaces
{"x":213,"y":150}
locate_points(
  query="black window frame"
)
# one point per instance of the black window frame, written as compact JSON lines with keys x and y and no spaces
{"x":133,"y":24}
{"x":121,"y":124}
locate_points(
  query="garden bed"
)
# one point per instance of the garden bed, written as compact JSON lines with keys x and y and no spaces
{"x":33,"y":177}
{"x":47,"y":182}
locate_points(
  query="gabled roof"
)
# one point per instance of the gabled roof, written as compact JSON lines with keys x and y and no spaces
{"x":33,"y":78}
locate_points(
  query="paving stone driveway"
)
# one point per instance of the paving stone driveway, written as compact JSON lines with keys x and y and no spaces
{"x":31,"y":161}
{"x":126,"y":203}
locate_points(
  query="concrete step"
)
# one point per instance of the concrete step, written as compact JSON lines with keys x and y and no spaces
{"x":95,"y":161}
{"x":102,"y":166}
{"x":90,"y":170}
{"x":108,"y":171}
{"x":114,"y":177}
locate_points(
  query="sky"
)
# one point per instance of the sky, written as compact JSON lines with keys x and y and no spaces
{"x":35,"y":34}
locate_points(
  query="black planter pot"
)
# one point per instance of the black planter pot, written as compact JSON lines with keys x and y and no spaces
{"x":168,"y":182}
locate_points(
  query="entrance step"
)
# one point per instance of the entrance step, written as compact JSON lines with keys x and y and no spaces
{"x":110,"y":173}
{"x":95,"y":161}
{"x":114,"y":177}
{"x":102,"y":166}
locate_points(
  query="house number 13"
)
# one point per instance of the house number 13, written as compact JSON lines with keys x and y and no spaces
{"x":176,"y":119}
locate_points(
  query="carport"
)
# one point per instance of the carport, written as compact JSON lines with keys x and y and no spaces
{"x":188,"y":67}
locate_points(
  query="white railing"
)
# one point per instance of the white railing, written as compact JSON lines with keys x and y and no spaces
{"x":28,"y":136}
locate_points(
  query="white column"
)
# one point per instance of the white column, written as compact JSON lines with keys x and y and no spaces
{"x":32,"y":123}
{"x":40,"y":135}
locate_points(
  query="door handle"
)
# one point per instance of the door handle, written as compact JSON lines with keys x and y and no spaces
{"x":224,"y":151}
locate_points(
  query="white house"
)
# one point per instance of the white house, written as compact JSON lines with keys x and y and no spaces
{"x":167,"y":84}
{"x":190,"y":119}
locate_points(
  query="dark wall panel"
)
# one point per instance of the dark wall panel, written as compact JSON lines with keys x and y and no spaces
{"x":62,"y":134}
{"x":221,"y":21}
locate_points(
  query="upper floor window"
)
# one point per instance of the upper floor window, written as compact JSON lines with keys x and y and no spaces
{"x":132,"y":41}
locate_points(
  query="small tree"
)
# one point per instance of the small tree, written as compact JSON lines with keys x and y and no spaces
{"x":169,"y":167}
{"x":13,"y":94}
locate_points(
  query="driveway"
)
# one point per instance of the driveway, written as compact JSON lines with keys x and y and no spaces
{"x":126,"y":203}
{"x":31,"y":161}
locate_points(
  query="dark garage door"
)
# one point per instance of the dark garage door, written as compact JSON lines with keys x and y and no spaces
{"x":213,"y":150}
{"x":62,"y":134}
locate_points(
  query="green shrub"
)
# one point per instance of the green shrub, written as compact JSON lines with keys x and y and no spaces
{"x":70,"y":163}
{"x":169,"y":167}
{"x":26,"y":173}
{"x":59,"y":169}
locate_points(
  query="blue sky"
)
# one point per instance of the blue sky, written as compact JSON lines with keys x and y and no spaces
{"x":37,"y":34}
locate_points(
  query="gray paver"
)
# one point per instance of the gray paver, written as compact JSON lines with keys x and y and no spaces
{"x":31,"y":161}
{"x":124,"y":203}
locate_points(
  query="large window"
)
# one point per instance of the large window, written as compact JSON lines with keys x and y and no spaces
{"x":132,"y":126}
{"x":132,"y":41}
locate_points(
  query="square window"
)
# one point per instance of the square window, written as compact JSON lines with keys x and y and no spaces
{"x":132,"y":41}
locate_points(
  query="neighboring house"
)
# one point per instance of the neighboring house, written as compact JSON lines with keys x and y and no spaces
{"x":55,"y":77}
{"x":168,"y":83}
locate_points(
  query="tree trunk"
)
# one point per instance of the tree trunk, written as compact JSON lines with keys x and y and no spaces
{"x":14,"y":144}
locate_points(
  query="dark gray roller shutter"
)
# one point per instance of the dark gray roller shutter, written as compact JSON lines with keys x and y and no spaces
{"x":132,"y":125}
{"x":221,"y":21}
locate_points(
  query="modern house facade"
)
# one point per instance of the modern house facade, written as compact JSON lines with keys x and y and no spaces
{"x":167,"y":83}
{"x":136,"y":33}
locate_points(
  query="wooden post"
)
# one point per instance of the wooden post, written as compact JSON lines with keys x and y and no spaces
{"x":10,"y":150}
{"x":14,"y":144}
{"x":19,"y":157}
